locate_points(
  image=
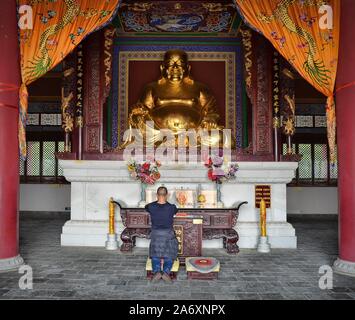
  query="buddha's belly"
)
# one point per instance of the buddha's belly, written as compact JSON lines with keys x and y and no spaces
{"x":177,"y":116}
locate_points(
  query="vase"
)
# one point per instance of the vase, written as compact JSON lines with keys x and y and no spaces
{"x":143,"y":202}
{"x":219,"y":196}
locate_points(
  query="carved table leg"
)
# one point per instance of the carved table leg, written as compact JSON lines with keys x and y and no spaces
{"x":231,"y":246}
{"x":126,"y":246}
{"x":127,"y":241}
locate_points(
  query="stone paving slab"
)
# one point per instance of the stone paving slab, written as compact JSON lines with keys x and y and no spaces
{"x":95,"y":273}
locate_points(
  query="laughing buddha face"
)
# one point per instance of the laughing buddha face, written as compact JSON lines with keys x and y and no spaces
{"x":175,"y":66}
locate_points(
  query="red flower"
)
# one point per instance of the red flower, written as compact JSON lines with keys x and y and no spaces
{"x":208,"y":163}
{"x":210,"y":174}
{"x":146,"y":166}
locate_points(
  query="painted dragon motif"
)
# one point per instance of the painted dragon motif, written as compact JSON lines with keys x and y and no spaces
{"x":42,"y":63}
{"x":315,"y":68}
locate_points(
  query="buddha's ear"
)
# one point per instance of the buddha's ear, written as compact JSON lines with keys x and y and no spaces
{"x":188,"y":69}
{"x":162,"y":69}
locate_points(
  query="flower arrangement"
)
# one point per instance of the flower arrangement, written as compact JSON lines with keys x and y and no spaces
{"x":146,"y":172}
{"x":218,"y":172}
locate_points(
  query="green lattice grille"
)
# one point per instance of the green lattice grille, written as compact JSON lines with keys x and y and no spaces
{"x":320,"y":162}
{"x":334,"y":168}
{"x":60,"y":149}
{"x":22,"y":167}
{"x":305,"y":165}
{"x":48,"y":158}
{"x":284,"y":148}
{"x":33,"y":158}
{"x":319,"y":167}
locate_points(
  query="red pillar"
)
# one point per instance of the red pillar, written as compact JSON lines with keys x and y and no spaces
{"x":9,"y":161}
{"x":345,"y":106}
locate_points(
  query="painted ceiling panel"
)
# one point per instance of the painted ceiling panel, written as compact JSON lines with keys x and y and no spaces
{"x":174,"y":16}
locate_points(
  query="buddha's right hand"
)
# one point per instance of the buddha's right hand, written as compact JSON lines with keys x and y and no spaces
{"x":138,"y":114}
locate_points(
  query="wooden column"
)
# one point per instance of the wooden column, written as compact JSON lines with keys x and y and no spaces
{"x":9,"y":159}
{"x":93,"y":111}
{"x":262,"y":106}
{"x":345,"y":112}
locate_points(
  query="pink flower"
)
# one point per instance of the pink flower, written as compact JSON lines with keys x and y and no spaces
{"x":219,"y":172}
{"x":217,"y":161}
{"x":149,"y":180}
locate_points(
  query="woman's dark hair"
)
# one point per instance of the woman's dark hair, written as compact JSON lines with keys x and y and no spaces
{"x":162,"y":191}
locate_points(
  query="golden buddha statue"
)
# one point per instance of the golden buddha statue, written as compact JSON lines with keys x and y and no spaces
{"x":175,"y":102}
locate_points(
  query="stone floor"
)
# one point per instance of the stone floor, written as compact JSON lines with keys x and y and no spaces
{"x":94,"y":273}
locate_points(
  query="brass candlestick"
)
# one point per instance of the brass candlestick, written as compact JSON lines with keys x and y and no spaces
{"x":263,"y":217}
{"x":111,"y":243}
{"x":111,"y":217}
{"x":263,"y":245}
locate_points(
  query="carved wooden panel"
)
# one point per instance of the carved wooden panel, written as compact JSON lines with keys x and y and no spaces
{"x":190,"y":236}
{"x":179,"y":232}
{"x":137,"y":220}
{"x":221,"y":221}
{"x":206,"y":220}
{"x":262,"y":107}
{"x":92,"y":138}
{"x":93,"y":121}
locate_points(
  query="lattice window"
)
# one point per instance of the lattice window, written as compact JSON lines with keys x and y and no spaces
{"x":314,"y":168}
{"x":48,"y":158}
{"x":33,"y":158}
{"x":304,"y":121}
{"x":51,"y":119}
{"x":41,"y":164}
{"x":44,"y":119}
{"x":32,"y":119}
{"x":60,"y":149}
{"x":320,"y":121}
{"x":22,"y":167}
{"x":305,"y":165}
{"x":320,"y":162}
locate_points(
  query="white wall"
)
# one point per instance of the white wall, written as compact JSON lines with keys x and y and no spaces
{"x":302,"y":200}
{"x":44,"y":197}
{"x":312,"y":200}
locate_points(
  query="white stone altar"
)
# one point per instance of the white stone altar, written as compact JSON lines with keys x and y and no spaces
{"x":94,"y":182}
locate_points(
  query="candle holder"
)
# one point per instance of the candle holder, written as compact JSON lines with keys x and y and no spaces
{"x":111,"y":243}
{"x":263,"y":245}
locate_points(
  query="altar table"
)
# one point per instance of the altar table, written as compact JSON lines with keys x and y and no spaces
{"x":216,"y":224}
